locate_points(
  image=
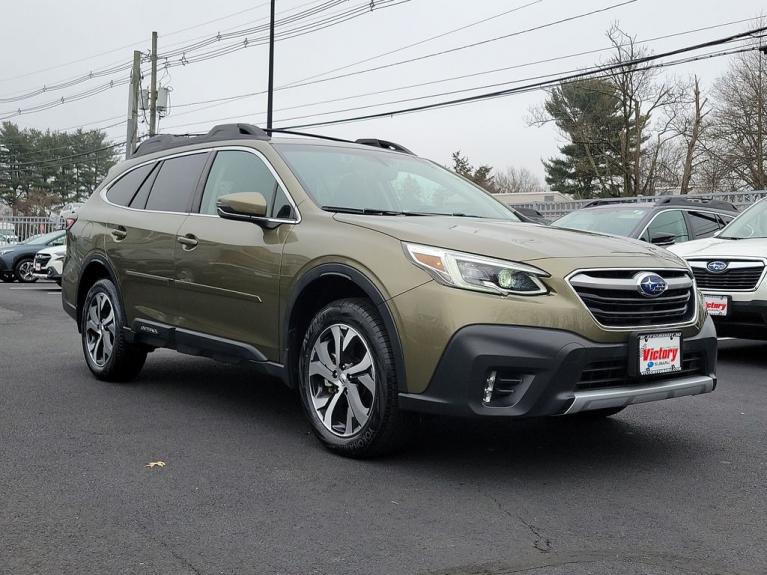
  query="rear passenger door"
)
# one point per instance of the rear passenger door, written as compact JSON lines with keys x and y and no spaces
{"x":227,"y":272}
{"x":156,"y":199}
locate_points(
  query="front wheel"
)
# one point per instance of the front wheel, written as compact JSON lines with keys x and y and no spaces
{"x":348,"y":381}
{"x":108,"y":355}
{"x":24,"y":271}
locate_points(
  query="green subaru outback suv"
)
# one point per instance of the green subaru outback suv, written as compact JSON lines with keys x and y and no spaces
{"x":377,"y":283}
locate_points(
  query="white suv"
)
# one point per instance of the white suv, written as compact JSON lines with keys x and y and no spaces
{"x":729,"y":269}
{"x":49,"y":262}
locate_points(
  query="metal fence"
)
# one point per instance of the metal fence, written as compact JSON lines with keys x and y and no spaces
{"x":14,"y":229}
{"x":554,"y":210}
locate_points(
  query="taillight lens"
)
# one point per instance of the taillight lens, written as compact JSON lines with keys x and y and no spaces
{"x":69,"y":222}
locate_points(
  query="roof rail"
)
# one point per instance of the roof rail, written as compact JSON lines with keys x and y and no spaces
{"x":384,"y":144}
{"x":216,"y":134}
{"x":689,"y":201}
{"x":697,"y":201}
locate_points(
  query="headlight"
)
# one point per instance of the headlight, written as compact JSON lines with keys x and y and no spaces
{"x":477,"y":273}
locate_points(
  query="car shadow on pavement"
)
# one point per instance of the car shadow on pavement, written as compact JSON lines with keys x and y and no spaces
{"x":241,"y":396}
{"x":746,"y":352}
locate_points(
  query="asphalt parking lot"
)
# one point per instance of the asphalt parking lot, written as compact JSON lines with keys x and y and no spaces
{"x":674,"y":487}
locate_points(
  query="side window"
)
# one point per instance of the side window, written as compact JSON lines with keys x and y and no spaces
{"x":60,"y":241}
{"x":139,"y":200}
{"x":123,"y":189}
{"x":233,"y":172}
{"x":670,"y":222}
{"x":175,"y":183}
{"x":703,"y":225}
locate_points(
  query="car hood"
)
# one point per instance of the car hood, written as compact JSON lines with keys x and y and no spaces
{"x":54,"y":251}
{"x":523,"y":242}
{"x":715,"y":247}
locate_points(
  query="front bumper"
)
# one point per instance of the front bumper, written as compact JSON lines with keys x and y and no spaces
{"x":543,"y":372}
{"x":746,"y":319}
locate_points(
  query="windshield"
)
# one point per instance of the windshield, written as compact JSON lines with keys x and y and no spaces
{"x":42,"y":238}
{"x":750,"y":224}
{"x":378,"y":182}
{"x":618,"y":221}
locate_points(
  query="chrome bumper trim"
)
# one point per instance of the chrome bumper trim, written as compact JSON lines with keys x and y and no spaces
{"x":621,"y":396}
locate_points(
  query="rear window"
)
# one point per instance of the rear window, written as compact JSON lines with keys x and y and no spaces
{"x":619,"y":221}
{"x":175,"y":183}
{"x":122,"y":191}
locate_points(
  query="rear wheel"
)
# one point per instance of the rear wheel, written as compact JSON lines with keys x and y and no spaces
{"x":23,"y":271}
{"x":348,"y":382}
{"x":107,"y":354}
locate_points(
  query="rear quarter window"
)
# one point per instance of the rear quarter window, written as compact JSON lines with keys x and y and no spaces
{"x":122,"y":191}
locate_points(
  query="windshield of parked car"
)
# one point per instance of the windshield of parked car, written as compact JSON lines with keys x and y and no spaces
{"x":750,"y":224}
{"x":42,"y":238}
{"x":617,"y":221}
{"x":379,"y":182}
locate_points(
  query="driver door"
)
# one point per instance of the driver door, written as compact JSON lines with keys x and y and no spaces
{"x":227,"y":271}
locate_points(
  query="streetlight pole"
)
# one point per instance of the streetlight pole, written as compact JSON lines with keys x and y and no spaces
{"x":270,"y":95}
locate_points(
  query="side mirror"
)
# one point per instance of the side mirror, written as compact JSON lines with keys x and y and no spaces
{"x":662,"y":239}
{"x":244,"y":206}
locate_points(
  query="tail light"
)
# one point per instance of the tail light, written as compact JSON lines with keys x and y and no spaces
{"x":69,"y":222}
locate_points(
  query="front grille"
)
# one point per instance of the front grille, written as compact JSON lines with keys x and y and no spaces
{"x":614,"y":373}
{"x":42,"y":259}
{"x":739,"y":276}
{"x":614,"y":299}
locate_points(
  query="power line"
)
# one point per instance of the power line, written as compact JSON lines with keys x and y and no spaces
{"x":131,"y":45}
{"x":418,"y":43}
{"x":355,"y":12}
{"x":228,"y":99}
{"x":537,"y":85}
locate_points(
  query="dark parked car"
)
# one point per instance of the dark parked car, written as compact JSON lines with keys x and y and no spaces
{"x":666,"y":221}
{"x":17,"y":261}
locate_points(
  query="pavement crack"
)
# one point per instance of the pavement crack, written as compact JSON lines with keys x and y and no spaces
{"x":176,"y":555}
{"x":541,"y":542}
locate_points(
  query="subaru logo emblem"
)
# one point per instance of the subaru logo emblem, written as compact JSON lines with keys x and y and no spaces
{"x":650,"y":284}
{"x":717,"y":267}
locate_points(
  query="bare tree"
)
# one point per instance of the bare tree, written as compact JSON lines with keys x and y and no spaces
{"x":640,"y":95}
{"x":517,"y":180}
{"x":739,"y":123}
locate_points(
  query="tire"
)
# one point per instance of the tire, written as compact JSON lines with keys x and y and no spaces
{"x":7,"y":277}
{"x":102,"y":320}
{"x":352,"y":404}
{"x":23,"y":271}
{"x":599,"y":413}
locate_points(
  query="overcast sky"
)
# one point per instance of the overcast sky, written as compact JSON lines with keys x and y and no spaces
{"x":42,"y":39}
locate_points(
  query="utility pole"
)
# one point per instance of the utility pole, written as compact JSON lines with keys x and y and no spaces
{"x":133,"y":94}
{"x":153,"y":89}
{"x":270,"y":95}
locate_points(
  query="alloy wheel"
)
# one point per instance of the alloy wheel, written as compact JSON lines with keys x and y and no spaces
{"x":100,"y":329}
{"x":25,"y":271}
{"x":341,"y":379}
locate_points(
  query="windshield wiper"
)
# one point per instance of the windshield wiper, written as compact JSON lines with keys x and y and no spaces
{"x":370,"y":211}
{"x":728,"y":238}
{"x":365,"y":211}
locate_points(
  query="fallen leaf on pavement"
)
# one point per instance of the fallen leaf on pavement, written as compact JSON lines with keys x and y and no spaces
{"x":153,"y":464}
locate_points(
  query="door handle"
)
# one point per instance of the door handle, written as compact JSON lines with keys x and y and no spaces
{"x":188,"y":242}
{"x":119,"y":233}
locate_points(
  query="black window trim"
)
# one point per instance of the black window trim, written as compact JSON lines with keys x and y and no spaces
{"x":105,"y":189}
{"x":206,"y":172}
